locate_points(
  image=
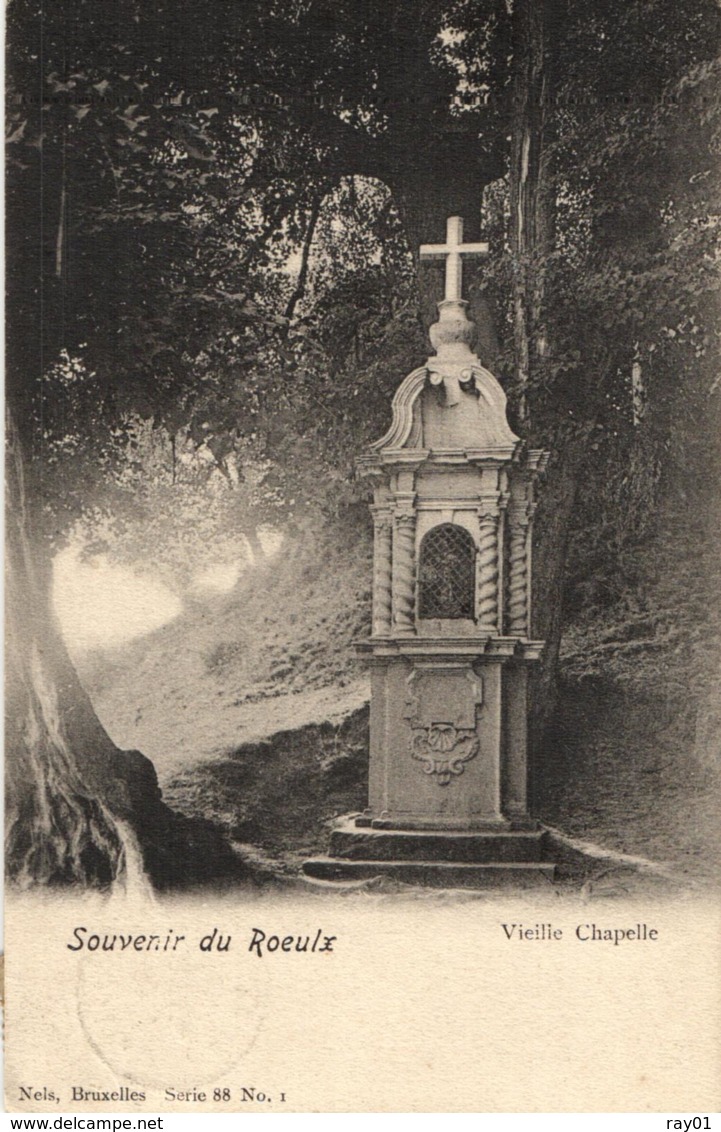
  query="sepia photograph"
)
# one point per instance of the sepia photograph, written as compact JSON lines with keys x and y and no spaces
{"x":363,"y":518}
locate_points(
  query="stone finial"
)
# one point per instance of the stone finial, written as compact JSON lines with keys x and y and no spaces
{"x":453,"y":336}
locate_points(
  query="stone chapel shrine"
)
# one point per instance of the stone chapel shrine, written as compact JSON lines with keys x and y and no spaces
{"x":454,"y":496}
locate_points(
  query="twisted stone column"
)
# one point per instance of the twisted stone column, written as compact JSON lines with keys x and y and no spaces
{"x":518,"y":575}
{"x":487,"y":572}
{"x":382,"y":572}
{"x":404,"y":574}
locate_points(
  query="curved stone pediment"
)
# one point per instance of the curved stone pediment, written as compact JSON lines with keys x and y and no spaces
{"x":448,"y":408}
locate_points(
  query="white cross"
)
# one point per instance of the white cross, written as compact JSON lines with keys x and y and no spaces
{"x":452,"y":251}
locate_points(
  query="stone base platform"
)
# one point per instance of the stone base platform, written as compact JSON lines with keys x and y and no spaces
{"x":437,"y":857}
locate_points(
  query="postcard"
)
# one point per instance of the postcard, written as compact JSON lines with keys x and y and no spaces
{"x":362,"y":619}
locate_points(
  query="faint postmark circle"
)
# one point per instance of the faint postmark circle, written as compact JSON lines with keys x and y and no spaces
{"x":183,"y":1022}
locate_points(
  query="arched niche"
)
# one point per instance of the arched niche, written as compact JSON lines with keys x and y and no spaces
{"x":447,"y":573}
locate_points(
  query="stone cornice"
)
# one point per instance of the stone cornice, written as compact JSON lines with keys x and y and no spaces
{"x":464,"y":648}
{"x":537,"y":460}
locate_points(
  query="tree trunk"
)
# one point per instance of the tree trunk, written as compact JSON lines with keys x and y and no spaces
{"x":557,"y":499}
{"x":532,"y":241}
{"x":74,"y":800}
{"x":79,"y":811}
{"x":255,"y":545}
{"x":532,"y":200}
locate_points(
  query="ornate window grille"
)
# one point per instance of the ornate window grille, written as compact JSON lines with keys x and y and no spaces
{"x":446,"y":573}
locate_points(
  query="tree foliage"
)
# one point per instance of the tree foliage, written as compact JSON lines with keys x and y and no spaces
{"x":623,"y":271}
{"x":184,"y":148}
{"x":229,"y":206}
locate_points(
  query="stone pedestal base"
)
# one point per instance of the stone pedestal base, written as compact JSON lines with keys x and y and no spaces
{"x":448,"y":772}
{"x":361,"y":848}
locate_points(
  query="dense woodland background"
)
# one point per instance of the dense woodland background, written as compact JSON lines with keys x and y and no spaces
{"x":214,"y":212}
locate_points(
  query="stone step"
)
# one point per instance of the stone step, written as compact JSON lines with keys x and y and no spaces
{"x":438,"y":874}
{"x":419,"y":846}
